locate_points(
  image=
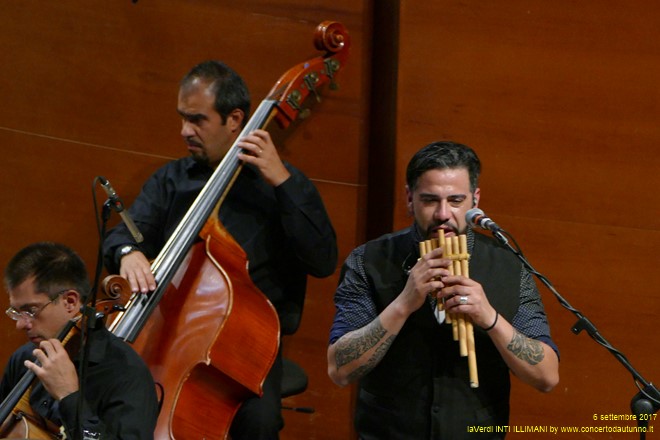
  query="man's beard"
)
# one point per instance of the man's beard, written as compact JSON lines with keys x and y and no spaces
{"x":201,"y":158}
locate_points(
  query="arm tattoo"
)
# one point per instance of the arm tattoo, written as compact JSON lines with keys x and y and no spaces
{"x":526,"y":349}
{"x":373,"y":360}
{"x":354,"y":345}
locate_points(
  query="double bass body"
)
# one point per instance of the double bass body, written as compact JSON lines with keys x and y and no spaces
{"x":210,"y":342}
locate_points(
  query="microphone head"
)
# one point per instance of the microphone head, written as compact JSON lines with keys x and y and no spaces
{"x":473,"y":214}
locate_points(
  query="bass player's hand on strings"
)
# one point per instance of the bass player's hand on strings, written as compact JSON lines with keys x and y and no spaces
{"x":137,"y":270}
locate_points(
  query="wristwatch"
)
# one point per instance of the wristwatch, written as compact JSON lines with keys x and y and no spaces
{"x":125,"y":250}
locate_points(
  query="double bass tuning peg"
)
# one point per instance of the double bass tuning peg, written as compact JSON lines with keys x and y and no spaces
{"x":310,"y":82}
{"x":332,"y":66}
{"x":295,"y":101}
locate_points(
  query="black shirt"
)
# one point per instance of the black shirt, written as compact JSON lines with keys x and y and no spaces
{"x":120,"y":395}
{"x":285,"y":231}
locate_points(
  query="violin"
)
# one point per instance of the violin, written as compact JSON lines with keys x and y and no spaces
{"x":19,"y":419}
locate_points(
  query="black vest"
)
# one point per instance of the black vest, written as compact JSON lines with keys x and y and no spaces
{"x":420,"y":389}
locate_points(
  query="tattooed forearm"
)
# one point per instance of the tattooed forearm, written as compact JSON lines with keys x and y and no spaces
{"x":527,"y":349}
{"x":355,"y":344}
{"x":373,"y":360}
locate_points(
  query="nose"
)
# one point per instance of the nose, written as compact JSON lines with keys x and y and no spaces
{"x":186,"y":129}
{"x":442,"y":212}
{"x":23,"y":323}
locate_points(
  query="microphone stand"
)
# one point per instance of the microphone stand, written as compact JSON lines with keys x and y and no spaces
{"x":93,"y":319}
{"x":643,"y":404}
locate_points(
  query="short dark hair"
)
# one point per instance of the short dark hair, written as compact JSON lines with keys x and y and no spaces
{"x":443,"y":155}
{"x":229,"y":88}
{"x":54,"y":266}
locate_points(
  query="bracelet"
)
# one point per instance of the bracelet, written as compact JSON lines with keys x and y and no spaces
{"x":497,"y":315}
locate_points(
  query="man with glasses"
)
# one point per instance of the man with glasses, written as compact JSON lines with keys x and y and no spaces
{"x":47,"y":285}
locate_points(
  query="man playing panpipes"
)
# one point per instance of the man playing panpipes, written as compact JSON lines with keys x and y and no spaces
{"x":387,"y":335}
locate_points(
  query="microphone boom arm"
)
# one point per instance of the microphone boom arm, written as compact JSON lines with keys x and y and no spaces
{"x":645,"y":403}
{"x":116,"y":203}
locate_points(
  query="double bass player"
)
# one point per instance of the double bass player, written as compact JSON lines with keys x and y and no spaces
{"x":272,"y":210}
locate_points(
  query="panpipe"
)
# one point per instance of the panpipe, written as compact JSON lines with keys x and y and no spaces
{"x":455,"y":249}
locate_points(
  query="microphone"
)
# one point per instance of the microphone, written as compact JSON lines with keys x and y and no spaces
{"x":476,"y":217}
{"x":118,"y":206}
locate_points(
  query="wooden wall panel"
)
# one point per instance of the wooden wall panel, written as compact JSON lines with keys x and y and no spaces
{"x":108,"y":74}
{"x":89,"y":88}
{"x":332,"y":405}
{"x":560,"y":100}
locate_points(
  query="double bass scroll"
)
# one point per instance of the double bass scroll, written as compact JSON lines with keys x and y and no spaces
{"x":292,"y":89}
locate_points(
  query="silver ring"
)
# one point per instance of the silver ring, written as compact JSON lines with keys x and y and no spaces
{"x":463,"y":300}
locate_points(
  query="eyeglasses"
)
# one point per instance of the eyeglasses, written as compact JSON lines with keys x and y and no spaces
{"x":32,"y":313}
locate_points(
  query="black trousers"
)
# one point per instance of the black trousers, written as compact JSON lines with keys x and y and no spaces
{"x":260,"y":418}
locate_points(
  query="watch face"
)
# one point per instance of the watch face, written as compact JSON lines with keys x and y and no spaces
{"x":126,"y":250}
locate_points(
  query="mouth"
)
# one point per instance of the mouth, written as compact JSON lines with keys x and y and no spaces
{"x":194,"y":148}
{"x":193,"y":145}
{"x":434,"y":231}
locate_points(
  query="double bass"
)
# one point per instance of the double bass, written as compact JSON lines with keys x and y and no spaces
{"x":208,"y":335}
